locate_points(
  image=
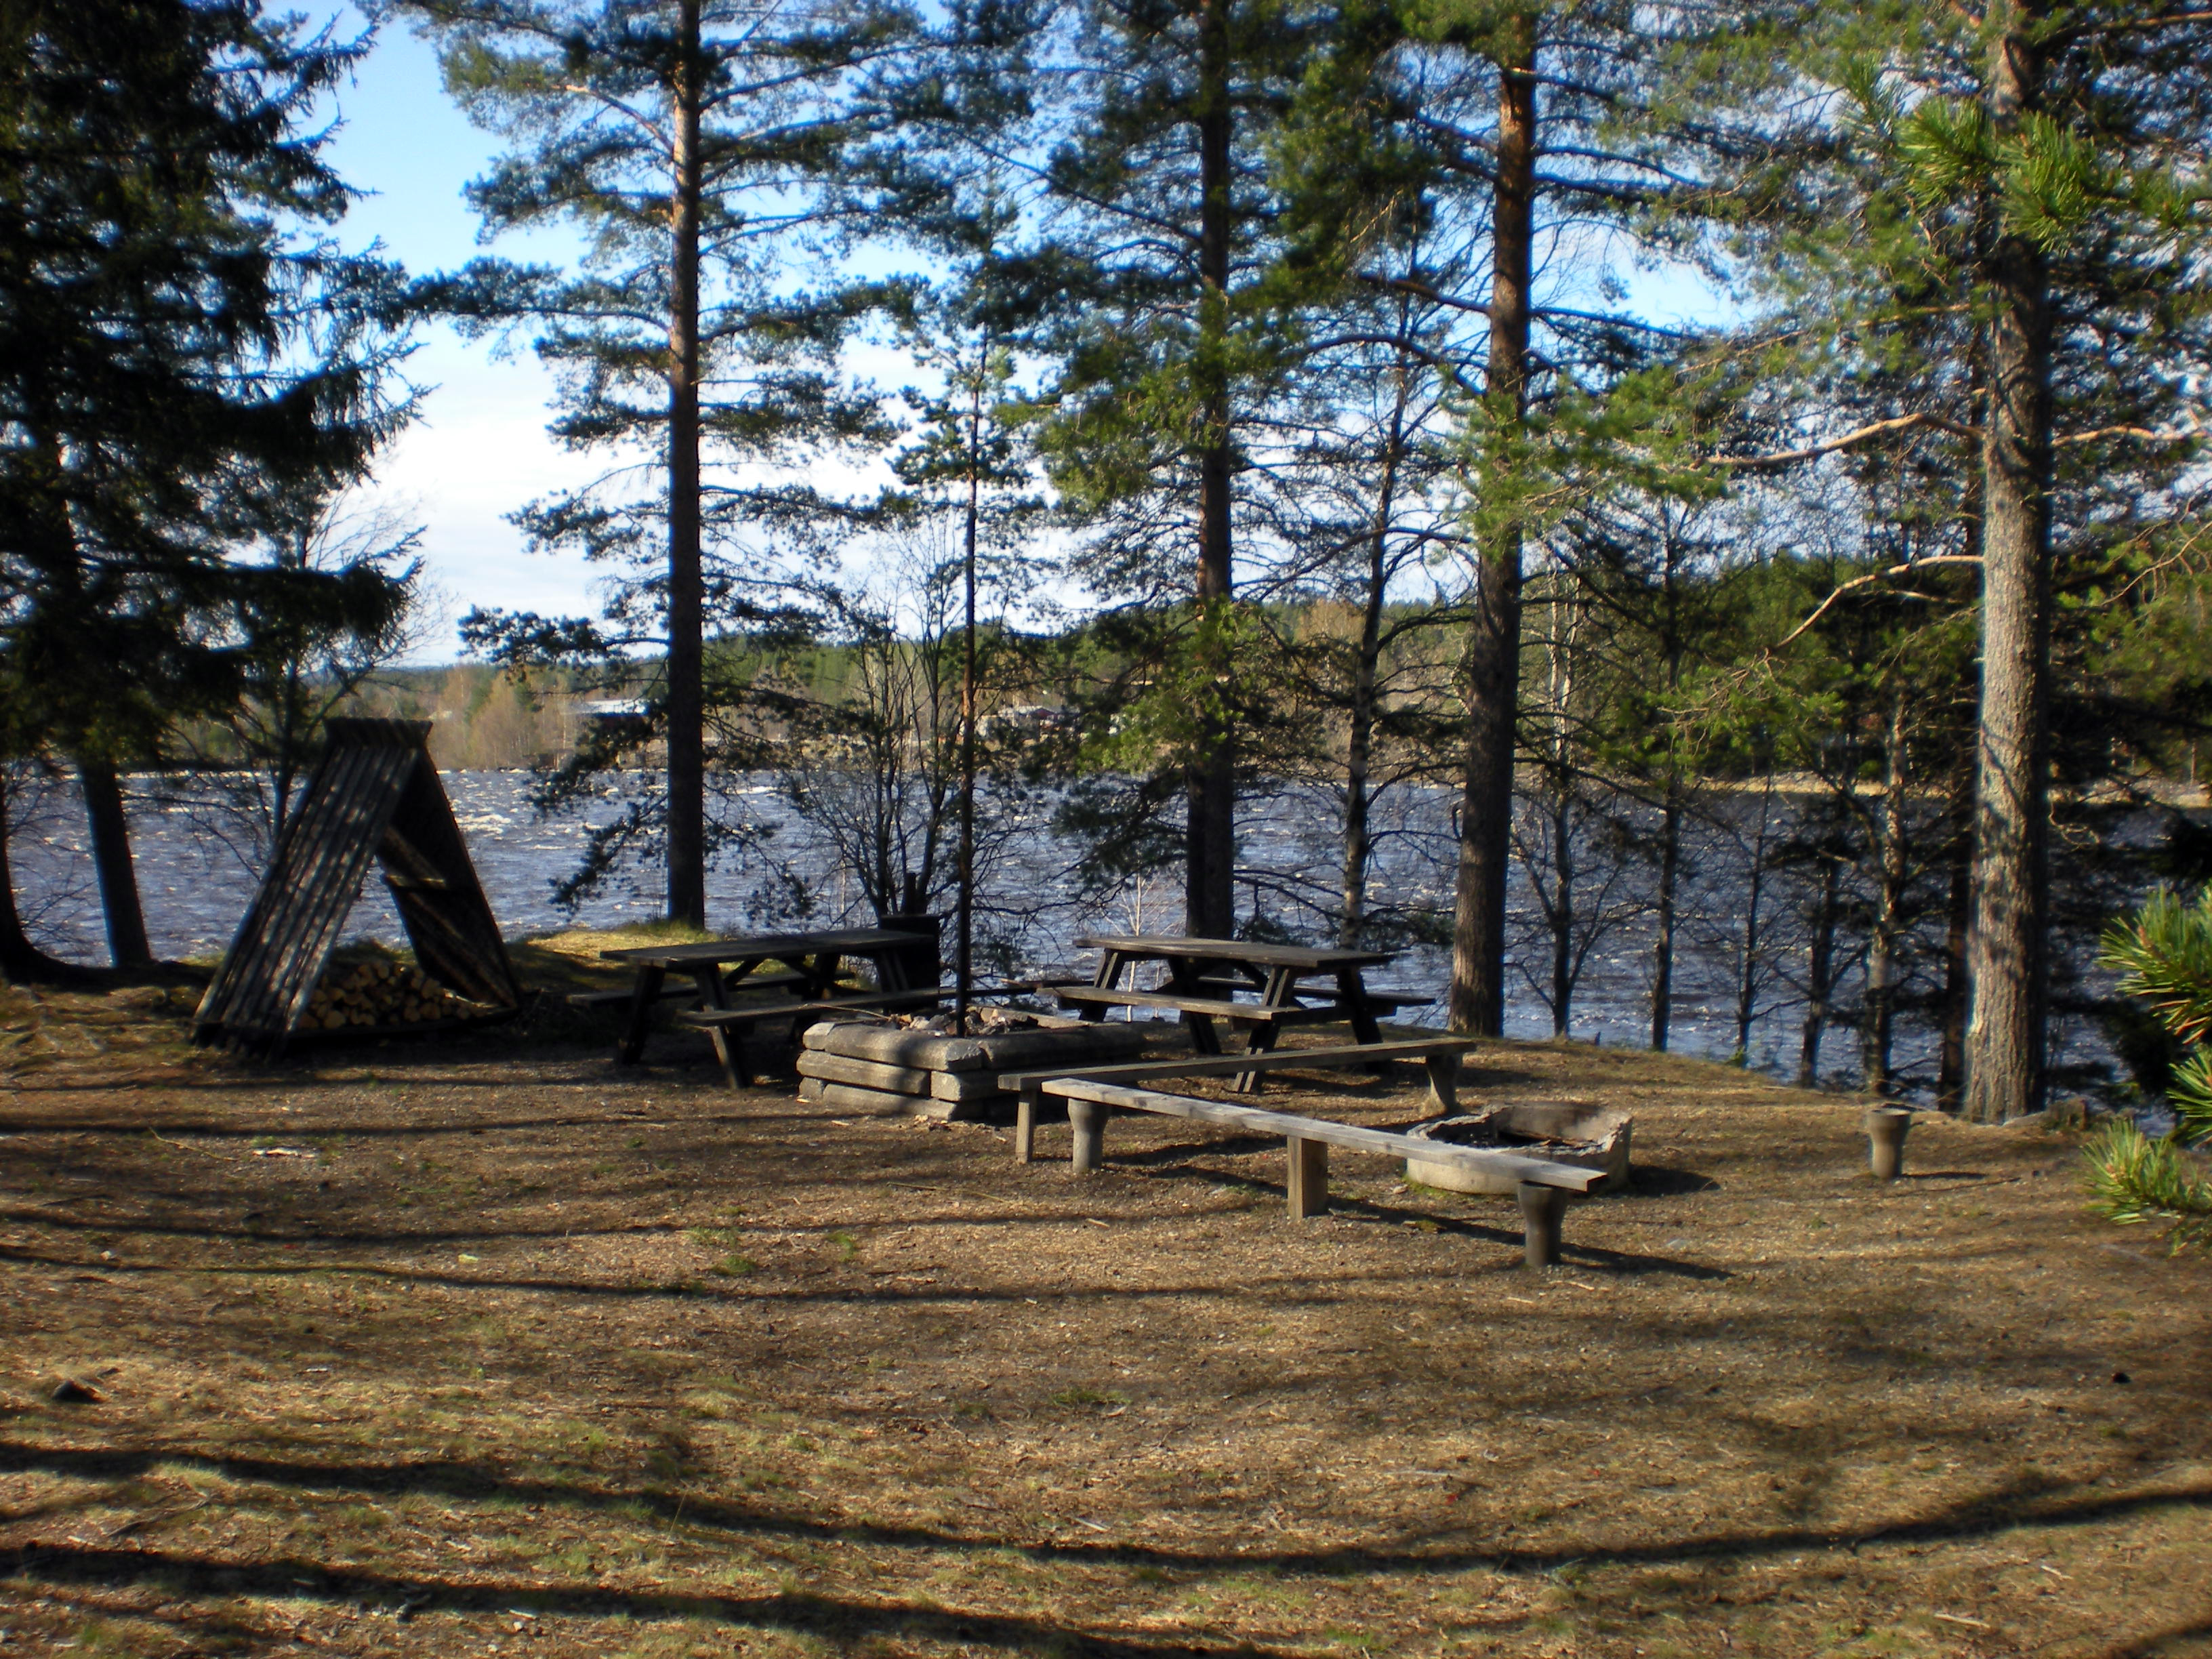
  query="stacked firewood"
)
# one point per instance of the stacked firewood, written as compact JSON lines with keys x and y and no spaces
{"x":381,"y":993}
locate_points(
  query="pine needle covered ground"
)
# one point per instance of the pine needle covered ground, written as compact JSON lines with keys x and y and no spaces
{"x":480,"y":1347}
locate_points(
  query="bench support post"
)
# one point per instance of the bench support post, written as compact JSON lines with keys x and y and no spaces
{"x":1307,"y":1183}
{"x":1025,"y":1117}
{"x":1541,"y":1211}
{"x":1444,"y":1081}
{"x":1087,"y":1118}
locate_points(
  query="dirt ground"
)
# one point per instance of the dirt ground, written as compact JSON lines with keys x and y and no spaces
{"x":483,"y":1346}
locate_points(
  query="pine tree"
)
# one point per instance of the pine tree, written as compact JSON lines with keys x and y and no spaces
{"x":187,"y":362}
{"x":699,"y":145}
{"x":2038,"y":176}
{"x":1170,"y":341}
{"x":1421,"y":110}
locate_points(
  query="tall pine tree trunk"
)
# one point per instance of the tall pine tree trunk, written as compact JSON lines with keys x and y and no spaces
{"x":686,"y":782}
{"x":1493,"y":657}
{"x":1366,"y":670}
{"x":111,"y":864}
{"x":1209,"y":896}
{"x":2005,"y":946}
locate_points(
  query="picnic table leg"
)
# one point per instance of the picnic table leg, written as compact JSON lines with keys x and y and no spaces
{"x":1352,"y":990}
{"x":1307,"y":1187}
{"x":1541,"y":1210}
{"x":1183,"y":975}
{"x":730,"y":1051}
{"x":645,"y":993}
{"x":1110,"y":963}
{"x":1087,"y":1118}
{"x":1279,"y":991}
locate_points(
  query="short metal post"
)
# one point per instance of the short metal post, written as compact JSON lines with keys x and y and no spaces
{"x":1541,"y":1210}
{"x":1307,"y":1187}
{"x":1087,"y":1118}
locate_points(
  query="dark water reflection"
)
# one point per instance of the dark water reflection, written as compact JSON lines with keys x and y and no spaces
{"x":198,"y":865}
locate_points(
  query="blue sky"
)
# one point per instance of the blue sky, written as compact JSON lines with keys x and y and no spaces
{"x":481,"y":449}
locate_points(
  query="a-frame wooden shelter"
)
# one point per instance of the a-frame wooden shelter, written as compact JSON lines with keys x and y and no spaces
{"x":376,"y":796}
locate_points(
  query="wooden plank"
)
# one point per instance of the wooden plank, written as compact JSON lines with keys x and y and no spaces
{"x":1529,"y":1170}
{"x":1162,"y":946}
{"x":707,"y":1018}
{"x":1210,"y":1006}
{"x":843,"y":941}
{"x":1230,"y":1064}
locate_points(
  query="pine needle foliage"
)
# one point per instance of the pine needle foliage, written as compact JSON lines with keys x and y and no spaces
{"x":2164,"y":954}
{"x":2134,"y":1179}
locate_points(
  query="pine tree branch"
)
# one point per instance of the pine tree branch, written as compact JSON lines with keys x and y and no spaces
{"x":1906,"y":569}
{"x":2146,"y":434}
{"x":1846,"y":441}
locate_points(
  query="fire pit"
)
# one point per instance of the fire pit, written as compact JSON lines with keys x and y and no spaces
{"x":919,"y":1068}
{"x":1589,"y":1136}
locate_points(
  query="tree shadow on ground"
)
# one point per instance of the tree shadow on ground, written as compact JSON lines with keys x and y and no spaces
{"x":2027,"y":1507}
{"x":412,"y":1596}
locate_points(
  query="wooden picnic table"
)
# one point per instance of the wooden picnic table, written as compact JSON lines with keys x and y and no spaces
{"x":810,"y":959}
{"x":1206,"y":975}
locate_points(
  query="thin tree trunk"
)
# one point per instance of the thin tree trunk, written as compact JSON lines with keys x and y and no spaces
{"x":1366,"y":672}
{"x":1563,"y":907}
{"x":22,"y":963}
{"x":1820,"y":975}
{"x":1746,"y":980}
{"x":2011,"y":876}
{"x":1478,"y":983}
{"x":687,"y":767}
{"x":1890,"y":850}
{"x":1951,"y":1055}
{"x":963,"y":964}
{"x":111,"y":862}
{"x":1663,"y":947}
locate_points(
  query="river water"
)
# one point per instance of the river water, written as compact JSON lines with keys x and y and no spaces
{"x":197,"y":864}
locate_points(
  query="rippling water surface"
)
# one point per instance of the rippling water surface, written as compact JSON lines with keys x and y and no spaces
{"x":197,"y":876}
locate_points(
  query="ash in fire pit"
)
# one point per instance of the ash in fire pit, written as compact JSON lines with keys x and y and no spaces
{"x":1589,"y":1136}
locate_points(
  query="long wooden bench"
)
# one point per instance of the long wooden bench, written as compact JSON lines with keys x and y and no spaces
{"x":1542,"y":1186}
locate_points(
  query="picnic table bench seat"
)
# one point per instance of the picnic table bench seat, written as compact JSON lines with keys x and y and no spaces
{"x":1382,"y":1000}
{"x":627,"y":995}
{"x":1211,"y":1008}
